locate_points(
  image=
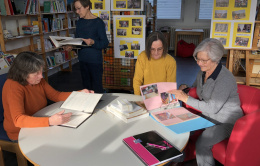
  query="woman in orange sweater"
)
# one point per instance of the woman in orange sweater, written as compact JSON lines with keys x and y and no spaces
{"x":25,"y":92}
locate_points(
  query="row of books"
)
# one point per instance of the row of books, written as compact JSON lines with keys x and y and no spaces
{"x":30,"y":29}
{"x":14,"y":7}
{"x":6,"y":60}
{"x":59,"y":57}
{"x":52,"y":24}
{"x":57,"y":6}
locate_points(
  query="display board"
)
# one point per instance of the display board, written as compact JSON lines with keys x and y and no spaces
{"x":101,"y":9}
{"x":127,"y":5}
{"x":129,"y":35}
{"x":233,"y":22}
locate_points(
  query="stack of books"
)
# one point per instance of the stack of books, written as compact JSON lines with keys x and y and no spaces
{"x":127,"y":111}
{"x":6,"y":60}
{"x":30,"y":29}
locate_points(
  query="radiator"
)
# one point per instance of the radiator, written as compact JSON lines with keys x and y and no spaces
{"x":187,"y":38}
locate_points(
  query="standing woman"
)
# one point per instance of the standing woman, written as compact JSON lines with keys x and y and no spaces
{"x":154,"y":64}
{"x":92,"y":29}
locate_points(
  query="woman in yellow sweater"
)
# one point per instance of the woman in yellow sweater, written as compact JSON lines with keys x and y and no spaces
{"x":154,"y":64}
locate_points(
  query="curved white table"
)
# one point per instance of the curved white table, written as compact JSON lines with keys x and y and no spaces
{"x":97,"y":142}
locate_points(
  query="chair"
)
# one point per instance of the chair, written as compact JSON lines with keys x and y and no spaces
{"x":5,"y":143}
{"x":242,"y":148}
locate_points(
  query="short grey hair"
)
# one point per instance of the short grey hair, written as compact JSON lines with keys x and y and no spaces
{"x":24,"y":64}
{"x":212,"y":47}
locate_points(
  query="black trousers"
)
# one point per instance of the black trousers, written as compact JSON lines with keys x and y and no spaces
{"x":91,"y":74}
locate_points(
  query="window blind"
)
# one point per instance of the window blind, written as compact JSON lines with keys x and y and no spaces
{"x":169,"y":9}
{"x":205,"y":10}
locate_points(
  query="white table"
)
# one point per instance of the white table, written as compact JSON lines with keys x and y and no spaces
{"x":97,"y":142}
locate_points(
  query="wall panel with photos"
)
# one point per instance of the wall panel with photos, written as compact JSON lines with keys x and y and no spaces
{"x":129,"y":35}
{"x":233,"y":22}
{"x":102,"y":10}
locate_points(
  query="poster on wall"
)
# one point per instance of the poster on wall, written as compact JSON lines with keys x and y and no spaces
{"x":233,"y":22}
{"x":129,"y":35}
{"x":101,"y":9}
{"x":127,"y":5}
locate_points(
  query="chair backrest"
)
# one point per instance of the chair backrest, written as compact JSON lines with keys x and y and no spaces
{"x":249,"y":98}
{"x":3,"y":78}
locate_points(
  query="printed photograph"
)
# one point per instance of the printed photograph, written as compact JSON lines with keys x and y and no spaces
{"x":135,"y":46}
{"x":123,"y":23}
{"x":221,"y":27}
{"x":134,"y":4}
{"x":222,"y":40}
{"x":187,"y":116}
{"x":104,"y":16}
{"x":220,"y":13}
{"x":244,"y":28}
{"x":165,"y":116}
{"x":240,"y":14}
{"x":121,"y":32}
{"x":123,"y":47}
{"x":136,"y":31}
{"x":241,"y":41}
{"x":167,"y":98}
{"x":222,"y":3}
{"x":240,"y":3}
{"x":129,"y":54}
{"x":136,"y":22}
{"x":120,"y":4}
{"x":98,"y":5}
{"x":106,"y":25}
{"x":150,"y":91}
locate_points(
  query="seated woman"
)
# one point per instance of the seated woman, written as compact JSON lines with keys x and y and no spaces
{"x":154,"y":64}
{"x":218,"y":98}
{"x":25,"y":92}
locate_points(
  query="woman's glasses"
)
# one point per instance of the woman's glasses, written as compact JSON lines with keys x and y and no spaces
{"x":153,"y":50}
{"x":201,"y":60}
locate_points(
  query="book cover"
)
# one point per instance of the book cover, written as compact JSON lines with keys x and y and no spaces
{"x":159,"y":94}
{"x":151,"y":148}
{"x":46,"y":6}
{"x":59,"y":41}
{"x":2,"y":7}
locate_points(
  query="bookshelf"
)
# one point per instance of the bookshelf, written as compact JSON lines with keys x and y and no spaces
{"x":36,"y":42}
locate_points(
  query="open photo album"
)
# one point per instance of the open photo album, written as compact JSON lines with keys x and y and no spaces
{"x":59,"y":41}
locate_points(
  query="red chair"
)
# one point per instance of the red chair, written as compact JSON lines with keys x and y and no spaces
{"x":243,"y":146}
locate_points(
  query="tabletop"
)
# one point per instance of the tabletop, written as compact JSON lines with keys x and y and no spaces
{"x":98,"y":141}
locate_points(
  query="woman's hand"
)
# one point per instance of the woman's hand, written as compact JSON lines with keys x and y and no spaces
{"x":67,"y":48}
{"x":87,"y":91}
{"x":180,"y":95}
{"x":182,"y":86}
{"x":89,"y":42}
{"x":59,"y":118}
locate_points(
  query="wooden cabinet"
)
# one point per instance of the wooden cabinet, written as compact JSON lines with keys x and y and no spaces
{"x":29,"y":42}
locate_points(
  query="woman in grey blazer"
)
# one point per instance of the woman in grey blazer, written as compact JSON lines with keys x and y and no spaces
{"x":218,"y":98}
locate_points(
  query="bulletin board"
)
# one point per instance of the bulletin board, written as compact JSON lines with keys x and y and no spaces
{"x":129,"y":35}
{"x":101,"y":9}
{"x":233,"y":22}
{"x":127,"y":5}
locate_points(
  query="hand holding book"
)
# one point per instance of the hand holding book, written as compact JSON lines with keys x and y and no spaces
{"x":59,"y":118}
{"x":89,"y":42}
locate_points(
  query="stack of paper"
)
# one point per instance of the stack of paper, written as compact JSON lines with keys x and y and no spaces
{"x":127,"y":111}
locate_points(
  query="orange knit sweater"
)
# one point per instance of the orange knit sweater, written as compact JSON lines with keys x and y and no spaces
{"x":21,"y":102}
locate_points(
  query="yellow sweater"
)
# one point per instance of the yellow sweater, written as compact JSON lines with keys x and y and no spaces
{"x":152,"y":71}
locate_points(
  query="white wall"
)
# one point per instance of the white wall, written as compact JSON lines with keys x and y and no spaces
{"x":189,"y":18}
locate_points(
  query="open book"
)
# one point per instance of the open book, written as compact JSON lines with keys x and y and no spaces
{"x":59,"y":41}
{"x":152,"y":148}
{"x":80,"y":104}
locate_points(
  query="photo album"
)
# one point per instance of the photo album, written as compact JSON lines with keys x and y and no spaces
{"x":151,"y":148}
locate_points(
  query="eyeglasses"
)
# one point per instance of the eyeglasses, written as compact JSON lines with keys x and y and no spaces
{"x":153,"y":50}
{"x":201,"y":60}
{"x":78,"y":8}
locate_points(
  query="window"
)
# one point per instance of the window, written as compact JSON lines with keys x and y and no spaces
{"x":169,"y":9}
{"x":205,"y":9}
